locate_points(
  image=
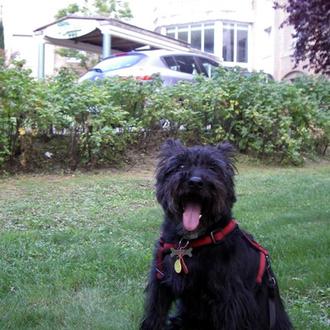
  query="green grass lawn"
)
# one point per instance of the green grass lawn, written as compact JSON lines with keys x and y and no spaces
{"x":75,"y":250}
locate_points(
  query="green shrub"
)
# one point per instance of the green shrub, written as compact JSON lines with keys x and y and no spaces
{"x":266,"y":118}
{"x":317,"y":90}
{"x":21,"y":105}
{"x":95,"y":123}
{"x":99,"y":117}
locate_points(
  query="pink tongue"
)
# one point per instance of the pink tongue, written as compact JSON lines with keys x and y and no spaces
{"x":191,"y":216}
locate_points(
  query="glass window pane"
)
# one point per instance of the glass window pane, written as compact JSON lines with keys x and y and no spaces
{"x":196,"y":39}
{"x":183,"y":36}
{"x":228,"y":45}
{"x":242,"y":26}
{"x":208,"y":66}
{"x":242,"y":46}
{"x":170,"y":62}
{"x":209,"y":41}
{"x":186,"y":64}
{"x":183,"y":33}
{"x":170,"y":32}
{"x":116,"y":62}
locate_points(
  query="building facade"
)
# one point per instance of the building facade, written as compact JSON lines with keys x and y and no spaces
{"x":238,"y":32}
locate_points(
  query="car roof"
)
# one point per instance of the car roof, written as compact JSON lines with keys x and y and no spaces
{"x":164,"y":52}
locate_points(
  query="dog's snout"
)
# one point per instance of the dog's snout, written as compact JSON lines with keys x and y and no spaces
{"x":195,"y":181}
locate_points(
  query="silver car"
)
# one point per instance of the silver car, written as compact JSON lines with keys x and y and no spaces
{"x":171,"y":66}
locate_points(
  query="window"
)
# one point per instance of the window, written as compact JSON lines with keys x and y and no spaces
{"x":186,"y":64}
{"x":182,"y":63}
{"x":183,"y":33}
{"x":170,"y":62}
{"x":119,"y":61}
{"x":242,"y":46}
{"x":209,"y":38}
{"x":235,"y":42}
{"x":196,"y":36}
{"x":228,"y":43}
{"x":200,"y":36}
{"x":234,"y":36}
{"x":170,"y":32}
{"x":207,"y":66}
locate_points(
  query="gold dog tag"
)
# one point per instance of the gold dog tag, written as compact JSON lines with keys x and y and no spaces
{"x":177,"y":266}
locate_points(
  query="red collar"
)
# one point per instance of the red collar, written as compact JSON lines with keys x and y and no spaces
{"x":215,"y":237}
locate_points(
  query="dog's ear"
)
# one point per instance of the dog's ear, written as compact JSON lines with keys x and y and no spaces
{"x":228,"y":151}
{"x":166,"y":158}
{"x":170,"y":148}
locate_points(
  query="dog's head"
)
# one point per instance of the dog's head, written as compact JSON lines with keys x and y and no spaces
{"x":195,"y":185}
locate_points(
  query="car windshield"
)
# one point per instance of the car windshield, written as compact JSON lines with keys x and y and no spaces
{"x":118,"y":62}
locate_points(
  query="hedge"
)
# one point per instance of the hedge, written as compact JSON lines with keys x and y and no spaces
{"x":61,"y":122}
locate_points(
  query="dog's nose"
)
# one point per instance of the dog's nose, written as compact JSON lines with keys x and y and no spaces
{"x":195,"y":181}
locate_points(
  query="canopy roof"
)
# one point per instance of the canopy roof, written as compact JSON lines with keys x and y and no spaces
{"x":87,"y":33}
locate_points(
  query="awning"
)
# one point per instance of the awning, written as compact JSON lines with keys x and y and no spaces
{"x":101,"y":35}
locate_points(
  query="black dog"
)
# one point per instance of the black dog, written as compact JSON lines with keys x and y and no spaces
{"x":217,"y":275}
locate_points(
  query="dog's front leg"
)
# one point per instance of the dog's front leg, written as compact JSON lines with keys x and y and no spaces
{"x":158,"y":303}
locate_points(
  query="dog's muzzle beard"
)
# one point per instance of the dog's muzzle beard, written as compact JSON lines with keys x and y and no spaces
{"x":210,"y":202}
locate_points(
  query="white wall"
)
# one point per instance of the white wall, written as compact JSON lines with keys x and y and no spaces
{"x":189,"y":11}
{"x":20,"y":18}
{"x":263,"y":36}
{"x":143,"y":12}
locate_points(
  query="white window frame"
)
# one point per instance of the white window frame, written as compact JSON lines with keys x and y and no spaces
{"x":218,"y":27}
{"x":192,"y":27}
{"x":236,"y":28}
{"x":183,"y":28}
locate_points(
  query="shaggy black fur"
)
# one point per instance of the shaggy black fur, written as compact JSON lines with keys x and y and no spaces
{"x":220,"y":290}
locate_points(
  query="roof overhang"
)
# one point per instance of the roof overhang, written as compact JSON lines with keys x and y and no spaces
{"x":86,"y":33}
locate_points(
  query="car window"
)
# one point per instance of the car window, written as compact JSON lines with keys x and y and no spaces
{"x":118,"y":62}
{"x":182,"y":63}
{"x":170,"y":63}
{"x":208,"y":66}
{"x":186,"y":64}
